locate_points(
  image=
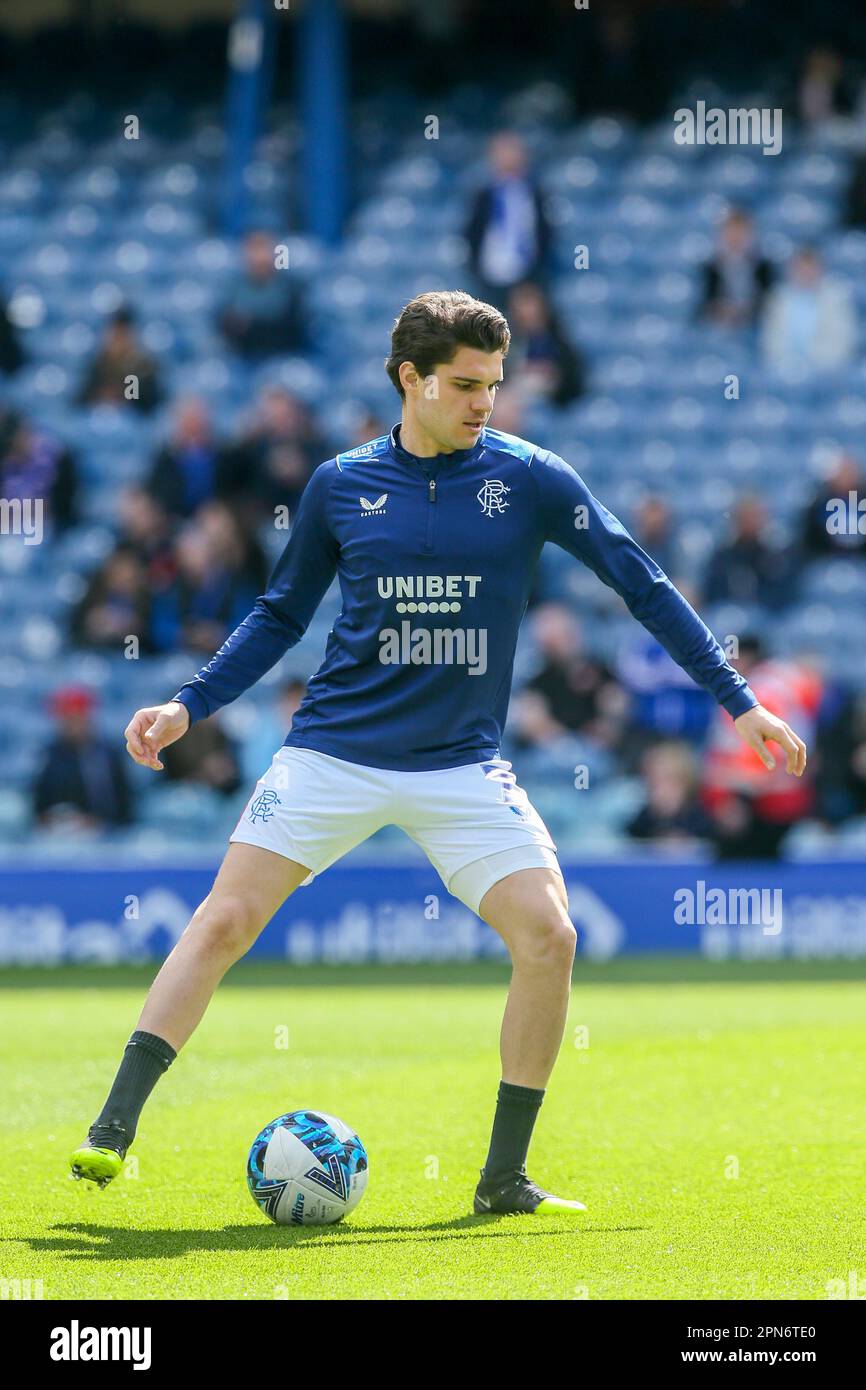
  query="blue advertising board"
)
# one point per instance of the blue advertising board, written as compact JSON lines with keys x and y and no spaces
{"x":53,"y":914}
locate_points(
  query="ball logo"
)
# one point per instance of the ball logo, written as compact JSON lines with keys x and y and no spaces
{"x":491,"y":496}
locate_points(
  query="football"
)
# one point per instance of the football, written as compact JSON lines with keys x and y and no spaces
{"x":307,"y":1169}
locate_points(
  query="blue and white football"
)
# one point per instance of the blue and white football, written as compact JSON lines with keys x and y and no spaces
{"x":307,"y":1169}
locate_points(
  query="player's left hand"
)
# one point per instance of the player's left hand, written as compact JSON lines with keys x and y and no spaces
{"x":758,"y":726}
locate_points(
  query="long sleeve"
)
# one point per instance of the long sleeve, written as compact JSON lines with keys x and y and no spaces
{"x":301,"y":578}
{"x":575,"y":520}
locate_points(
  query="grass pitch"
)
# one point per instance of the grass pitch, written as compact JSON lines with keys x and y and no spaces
{"x":715,"y":1126}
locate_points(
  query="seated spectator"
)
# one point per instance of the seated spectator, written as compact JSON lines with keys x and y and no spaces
{"x":671,"y":815}
{"x":34,"y":464}
{"x":831,"y":523}
{"x":116,"y":604}
{"x":579,"y":692}
{"x":752,"y":808}
{"x":11,"y":351}
{"x":653,"y":530}
{"x":221,"y":572}
{"x":545,"y":363}
{"x":82,"y":783}
{"x":507,"y":228}
{"x":145,"y":529}
{"x":262,"y":314}
{"x":188,"y":470}
{"x":268,"y":731}
{"x":738,"y":277}
{"x":809,"y":320}
{"x":841,"y":757}
{"x":122,"y":372}
{"x":204,"y":756}
{"x":824,"y":91}
{"x":271,"y":465}
{"x":748,"y":568}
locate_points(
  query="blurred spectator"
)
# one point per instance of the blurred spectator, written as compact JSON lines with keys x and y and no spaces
{"x":738,"y":277}
{"x":855,"y":194}
{"x":618,"y":71}
{"x":579,"y":693}
{"x":188,"y":470}
{"x":752,"y":808}
{"x":81,"y":783}
{"x":545,"y":363}
{"x":664,"y":701}
{"x":35,"y":465}
{"x":823,"y":90}
{"x":11,"y":351}
{"x":122,"y":372}
{"x":205,"y":756}
{"x":841,"y":758}
{"x":809,"y":321}
{"x":832,"y":521}
{"x":221,"y":572}
{"x":507,"y":228}
{"x":366,"y":425}
{"x":748,"y":568}
{"x":653,"y":529}
{"x":262,"y":314}
{"x":672,"y":814}
{"x":271,"y":465}
{"x":269,"y":728}
{"x":116,"y":604}
{"x":145,"y":528}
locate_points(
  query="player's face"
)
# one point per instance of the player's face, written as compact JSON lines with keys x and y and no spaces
{"x":454,"y":403}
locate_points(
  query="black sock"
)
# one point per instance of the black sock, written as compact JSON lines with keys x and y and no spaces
{"x":145,"y":1059}
{"x":516,"y":1110}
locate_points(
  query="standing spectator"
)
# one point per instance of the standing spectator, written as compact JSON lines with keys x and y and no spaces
{"x":262,"y":315}
{"x":271,"y":465}
{"x":35,"y":465}
{"x":841,"y":760}
{"x":831,"y":521}
{"x":122,"y":372}
{"x":187,"y":469}
{"x":507,"y":229}
{"x":545,"y":362}
{"x":809,"y":321}
{"x":738,"y":277}
{"x":81,"y":784}
{"x":748,"y":568}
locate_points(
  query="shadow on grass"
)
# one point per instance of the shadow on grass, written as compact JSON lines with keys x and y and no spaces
{"x":92,"y":1243}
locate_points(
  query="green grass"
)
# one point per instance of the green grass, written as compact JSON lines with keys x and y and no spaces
{"x":692,"y":1068}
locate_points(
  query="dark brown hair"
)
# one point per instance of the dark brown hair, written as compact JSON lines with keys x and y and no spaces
{"x":432,"y":326}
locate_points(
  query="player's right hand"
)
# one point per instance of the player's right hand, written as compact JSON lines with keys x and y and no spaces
{"x":150,"y":730}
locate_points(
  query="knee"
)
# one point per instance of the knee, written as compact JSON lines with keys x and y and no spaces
{"x":227,"y":925}
{"x":547,"y":940}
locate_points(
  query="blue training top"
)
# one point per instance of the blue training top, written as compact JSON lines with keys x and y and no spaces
{"x":436,"y":558}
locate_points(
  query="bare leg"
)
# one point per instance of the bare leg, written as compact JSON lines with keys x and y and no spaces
{"x":251,"y":885}
{"x":529,"y":909}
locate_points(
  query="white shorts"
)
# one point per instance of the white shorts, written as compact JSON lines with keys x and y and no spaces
{"x":474,"y":823}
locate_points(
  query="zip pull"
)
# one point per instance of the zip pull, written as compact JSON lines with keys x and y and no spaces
{"x":431,"y":491}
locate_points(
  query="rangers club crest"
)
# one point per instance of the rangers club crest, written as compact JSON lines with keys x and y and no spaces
{"x":491,"y":496}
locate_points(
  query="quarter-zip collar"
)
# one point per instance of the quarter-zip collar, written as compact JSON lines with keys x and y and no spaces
{"x":433,"y":462}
